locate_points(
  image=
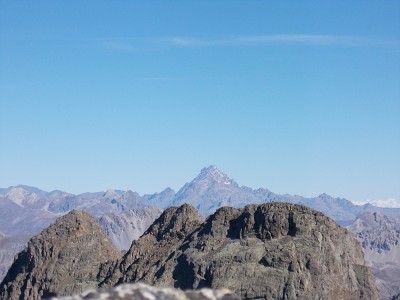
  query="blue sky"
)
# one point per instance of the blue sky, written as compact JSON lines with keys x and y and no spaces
{"x":301,"y":98}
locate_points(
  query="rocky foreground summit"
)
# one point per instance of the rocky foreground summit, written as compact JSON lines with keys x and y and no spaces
{"x":62,"y":260}
{"x":270,"y":251}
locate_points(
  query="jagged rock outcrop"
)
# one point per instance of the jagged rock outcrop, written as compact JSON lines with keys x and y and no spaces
{"x":64,"y":259}
{"x":271,"y":251}
{"x":26,"y":211}
{"x":162,"y":239}
{"x":143,"y":291}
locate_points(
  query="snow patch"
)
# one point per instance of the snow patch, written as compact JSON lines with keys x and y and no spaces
{"x":17,"y":195}
{"x":389,"y":203}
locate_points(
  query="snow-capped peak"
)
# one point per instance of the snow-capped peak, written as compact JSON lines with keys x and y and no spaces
{"x":214,"y":174}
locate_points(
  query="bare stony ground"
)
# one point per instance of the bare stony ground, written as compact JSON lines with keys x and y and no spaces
{"x":142,"y":291}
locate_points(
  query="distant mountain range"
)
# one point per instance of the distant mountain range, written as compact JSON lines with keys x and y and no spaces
{"x":210,"y":190}
{"x":125,"y":215}
{"x":379,"y":236}
{"x":127,"y":226}
{"x":392,"y":203}
{"x":25,"y":211}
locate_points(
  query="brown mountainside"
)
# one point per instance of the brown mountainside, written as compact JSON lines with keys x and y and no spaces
{"x":63,"y":259}
{"x":270,"y":251}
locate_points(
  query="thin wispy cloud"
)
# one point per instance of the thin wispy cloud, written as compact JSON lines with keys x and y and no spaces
{"x":294,"y":39}
{"x":160,"y":79}
{"x":281,"y":39}
{"x":130,"y":44}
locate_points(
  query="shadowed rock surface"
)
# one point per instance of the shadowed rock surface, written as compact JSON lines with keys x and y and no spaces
{"x":271,"y":251}
{"x":26,"y":211}
{"x":141,"y":291}
{"x":397,"y":297}
{"x":62,"y":260}
{"x":9,"y":247}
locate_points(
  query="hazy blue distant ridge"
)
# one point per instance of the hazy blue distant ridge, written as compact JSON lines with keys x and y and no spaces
{"x":208,"y":191}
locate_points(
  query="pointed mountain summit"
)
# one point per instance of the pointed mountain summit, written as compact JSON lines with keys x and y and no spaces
{"x":64,"y":259}
{"x":25,"y":196}
{"x":212,"y":189}
{"x":112,"y":194}
{"x":213,"y":174}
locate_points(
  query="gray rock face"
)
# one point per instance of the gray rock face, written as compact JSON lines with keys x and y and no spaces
{"x":64,"y":259}
{"x":269,"y":251}
{"x":29,"y":210}
{"x":142,"y":291}
{"x":9,"y":246}
{"x":397,"y":297}
{"x":125,"y":227}
{"x":379,"y":236}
